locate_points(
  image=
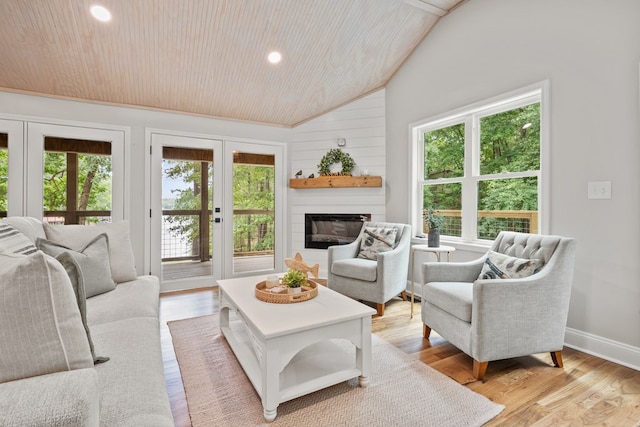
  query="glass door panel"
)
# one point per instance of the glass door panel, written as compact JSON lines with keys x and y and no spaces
{"x":253,"y":212}
{"x":187,"y":203}
{"x":254,"y":208}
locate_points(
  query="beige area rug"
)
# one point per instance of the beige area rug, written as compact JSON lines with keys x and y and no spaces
{"x":401,"y":392}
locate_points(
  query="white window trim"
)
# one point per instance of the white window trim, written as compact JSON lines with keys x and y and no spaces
{"x":470,"y":115}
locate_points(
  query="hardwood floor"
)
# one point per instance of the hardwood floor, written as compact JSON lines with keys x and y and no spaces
{"x":587,"y":391}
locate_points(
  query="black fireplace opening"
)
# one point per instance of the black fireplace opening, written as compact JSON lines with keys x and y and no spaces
{"x":324,"y":230}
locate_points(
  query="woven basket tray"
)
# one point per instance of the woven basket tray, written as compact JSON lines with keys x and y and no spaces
{"x":308,"y":292}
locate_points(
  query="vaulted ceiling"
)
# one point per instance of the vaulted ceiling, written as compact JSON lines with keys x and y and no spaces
{"x":209,"y":57}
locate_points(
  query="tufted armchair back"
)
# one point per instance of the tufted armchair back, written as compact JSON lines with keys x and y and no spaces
{"x":528,"y":246}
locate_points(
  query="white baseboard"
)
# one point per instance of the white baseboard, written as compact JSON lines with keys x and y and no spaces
{"x":604,"y":348}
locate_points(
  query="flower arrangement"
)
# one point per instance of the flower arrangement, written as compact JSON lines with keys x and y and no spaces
{"x":336,"y":156}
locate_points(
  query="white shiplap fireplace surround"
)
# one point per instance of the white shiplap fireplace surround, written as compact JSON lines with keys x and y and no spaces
{"x":362,"y":125}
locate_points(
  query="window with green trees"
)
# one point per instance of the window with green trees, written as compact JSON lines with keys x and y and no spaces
{"x":77,"y":181}
{"x":253,"y":203}
{"x":480,"y":168}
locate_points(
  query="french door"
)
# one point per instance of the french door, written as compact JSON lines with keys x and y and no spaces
{"x":186,"y":213}
{"x":216,"y":210}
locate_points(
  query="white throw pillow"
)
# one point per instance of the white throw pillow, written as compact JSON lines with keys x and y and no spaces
{"x":77,"y":237}
{"x":501,"y":266}
{"x":29,"y":226}
{"x":13,"y":241}
{"x":40,"y":321}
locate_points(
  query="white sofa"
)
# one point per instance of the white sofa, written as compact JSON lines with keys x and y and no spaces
{"x":127,"y":390}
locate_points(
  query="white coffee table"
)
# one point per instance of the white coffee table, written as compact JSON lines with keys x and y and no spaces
{"x":286,"y":349}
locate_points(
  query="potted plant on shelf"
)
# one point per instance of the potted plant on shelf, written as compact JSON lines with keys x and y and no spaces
{"x":294,"y":279}
{"x":434,"y":223}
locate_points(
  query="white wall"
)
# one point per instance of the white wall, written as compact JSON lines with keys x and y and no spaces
{"x":21,"y":106}
{"x":590,"y":52}
{"x":362,"y":124}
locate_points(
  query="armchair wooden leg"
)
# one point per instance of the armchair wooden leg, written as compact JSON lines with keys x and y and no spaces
{"x":426,"y":331}
{"x":404,"y":295}
{"x":556,"y":356}
{"x":479,"y":369}
{"x":380,"y":308}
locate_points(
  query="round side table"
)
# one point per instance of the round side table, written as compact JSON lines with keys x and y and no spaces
{"x":426,"y":248}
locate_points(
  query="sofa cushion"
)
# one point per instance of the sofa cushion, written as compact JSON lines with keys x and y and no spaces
{"x":93,"y":260}
{"x":30,"y":227}
{"x":138,"y":298}
{"x":453,"y":297}
{"x":501,"y":266}
{"x":375,"y":240}
{"x":40,"y":320}
{"x":13,"y":241}
{"x":132,"y":385}
{"x":77,"y":237}
{"x":356,"y":268}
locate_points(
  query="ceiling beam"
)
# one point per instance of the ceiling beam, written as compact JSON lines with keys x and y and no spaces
{"x":426,"y":6}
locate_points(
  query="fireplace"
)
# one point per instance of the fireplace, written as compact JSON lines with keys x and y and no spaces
{"x":324,"y":230}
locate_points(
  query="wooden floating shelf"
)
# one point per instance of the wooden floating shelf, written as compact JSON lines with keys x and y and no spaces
{"x":336,"y":182}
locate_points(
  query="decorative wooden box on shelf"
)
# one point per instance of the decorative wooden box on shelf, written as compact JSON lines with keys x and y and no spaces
{"x":336,"y":182}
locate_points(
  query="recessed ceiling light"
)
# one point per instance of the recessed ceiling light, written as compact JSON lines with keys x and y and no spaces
{"x":101,"y":13}
{"x":274,"y":57}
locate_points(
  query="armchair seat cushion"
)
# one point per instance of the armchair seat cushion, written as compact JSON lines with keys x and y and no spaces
{"x":455,"y":298}
{"x":356,"y":268}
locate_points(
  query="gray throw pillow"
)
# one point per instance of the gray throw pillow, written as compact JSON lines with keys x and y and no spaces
{"x":93,"y":262}
{"x":77,"y":282}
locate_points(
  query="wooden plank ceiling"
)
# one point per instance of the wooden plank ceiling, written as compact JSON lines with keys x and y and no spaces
{"x":209,"y":57}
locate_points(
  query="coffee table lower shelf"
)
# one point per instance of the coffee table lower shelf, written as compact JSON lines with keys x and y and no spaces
{"x":318,"y":366}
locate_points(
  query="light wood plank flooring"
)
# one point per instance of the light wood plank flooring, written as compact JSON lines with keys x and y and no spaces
{"x":588,"y":391}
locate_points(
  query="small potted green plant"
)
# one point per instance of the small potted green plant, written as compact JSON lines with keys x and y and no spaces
{"x":434,"y":223}
{"x":294,"y":279}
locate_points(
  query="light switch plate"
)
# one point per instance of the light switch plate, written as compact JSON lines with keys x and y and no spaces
{"x":599,"y":190}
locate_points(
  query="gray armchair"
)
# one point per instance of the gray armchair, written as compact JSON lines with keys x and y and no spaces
{"x":493,"y":319}
{"x":364,"y":279}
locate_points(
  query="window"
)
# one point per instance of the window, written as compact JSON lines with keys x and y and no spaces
{"x":74,"y":174}
{"x":480,"y":167}
{"x":254,"y":208}
{"x":76,"y":181}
